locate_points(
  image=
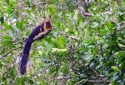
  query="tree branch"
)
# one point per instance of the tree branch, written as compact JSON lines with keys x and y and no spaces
{"x":41,"y":35}
{"x":82,"y":10}
{"x":4,"y":55}
{"x":40,"y":3}
{"x":93,"y":81}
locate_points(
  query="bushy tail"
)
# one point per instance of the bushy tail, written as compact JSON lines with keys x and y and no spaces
{"x":25,"y":54}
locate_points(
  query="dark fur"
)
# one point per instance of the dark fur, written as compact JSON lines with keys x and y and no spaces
{"x":26,"y":50}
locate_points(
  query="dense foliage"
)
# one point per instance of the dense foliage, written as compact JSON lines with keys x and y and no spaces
{"x":85,"y":47}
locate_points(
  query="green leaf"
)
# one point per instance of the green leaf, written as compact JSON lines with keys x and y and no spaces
{"x":7,"y":1}
{"x":19,"y":24}
{"x":8,"y":27}
{"x":19,"y":81}
{"x":7,"y":38}
{"x":115,"y":68}
{"x":61,"y":41}
{"x":57,"y":50}
{"x":6,"y":41}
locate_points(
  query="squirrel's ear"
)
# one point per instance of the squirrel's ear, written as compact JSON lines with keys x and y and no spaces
{"x":44,"y":17}
{"x":50,"y":16}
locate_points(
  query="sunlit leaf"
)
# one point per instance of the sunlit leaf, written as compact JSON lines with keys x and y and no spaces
{"x":115,"y":68}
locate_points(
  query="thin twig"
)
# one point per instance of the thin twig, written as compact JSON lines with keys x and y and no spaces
{"x":41,"y":35}
{"x":82,"y":10}
{"x":93,"y":81}
{"x":40,"y":3}
{"x":44,"y":70}
{"x":4,"y":55}
{"x":60,"y":78}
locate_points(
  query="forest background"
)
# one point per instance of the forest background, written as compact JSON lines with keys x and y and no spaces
{"x":86,"y":46}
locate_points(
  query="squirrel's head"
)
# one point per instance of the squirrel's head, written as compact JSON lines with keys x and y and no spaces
{"x":48,"y":23}
{"x":48,"y":19}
